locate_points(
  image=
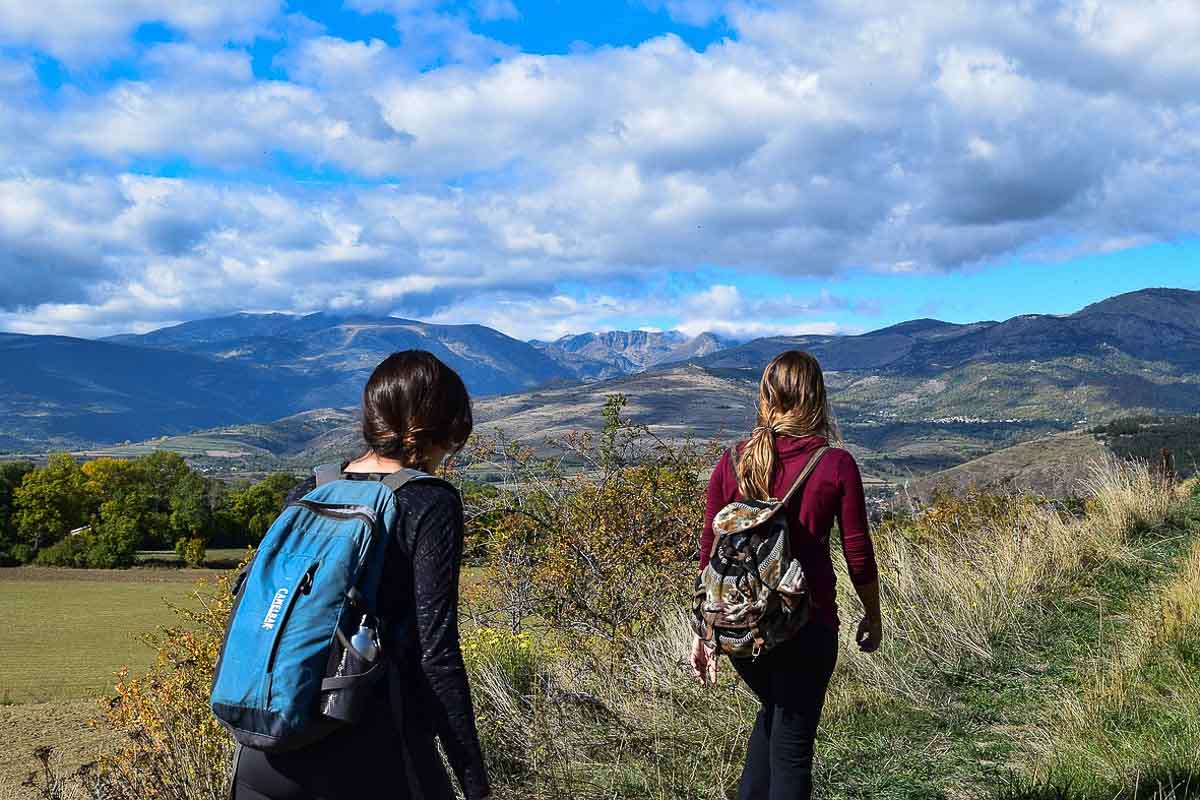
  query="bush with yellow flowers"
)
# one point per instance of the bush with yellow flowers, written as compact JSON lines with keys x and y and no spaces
{"x":598,"y":552}
{"x":171,"y":746}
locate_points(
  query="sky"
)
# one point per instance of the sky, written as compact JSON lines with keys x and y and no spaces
{"x":548,"y":167}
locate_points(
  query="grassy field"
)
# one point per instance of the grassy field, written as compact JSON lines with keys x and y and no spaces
{"x":64,"y":632}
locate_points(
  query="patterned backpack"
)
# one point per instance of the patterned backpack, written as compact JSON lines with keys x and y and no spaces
{"x":753,"y":594}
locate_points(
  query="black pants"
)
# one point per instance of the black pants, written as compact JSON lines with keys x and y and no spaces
{"x":350,"y":767}
{"x":790,"y":681}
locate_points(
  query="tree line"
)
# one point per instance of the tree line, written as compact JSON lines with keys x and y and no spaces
{"x":1144,"y":438}
{"x":100,"y":513}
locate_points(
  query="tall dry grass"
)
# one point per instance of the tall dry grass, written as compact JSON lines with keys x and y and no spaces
{"x":960,"y":580}
{"x":1134,"y":729}
{"x":970,"y":570}
{"x":1127,"y":497}
{"x":644,"y":730}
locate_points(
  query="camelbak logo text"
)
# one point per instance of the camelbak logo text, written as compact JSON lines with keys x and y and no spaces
{"x":268,"y":622}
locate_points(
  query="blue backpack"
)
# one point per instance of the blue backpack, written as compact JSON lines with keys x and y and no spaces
{"x":297,"y":605}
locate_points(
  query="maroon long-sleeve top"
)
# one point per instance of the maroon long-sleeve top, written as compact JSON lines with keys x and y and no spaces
{"x":833,"y":493}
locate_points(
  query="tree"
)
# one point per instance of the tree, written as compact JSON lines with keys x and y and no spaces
{"x":115,"y":536}
{"x":163,"y":471}
{"x":50,"y":503}
{"x":124,"y":510}
{"x":11,"y":475}
{"x":253,"y":508}
{"x":191,"y":508}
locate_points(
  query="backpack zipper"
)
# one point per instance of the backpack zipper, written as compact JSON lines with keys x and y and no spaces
{"x":303,"y":586}
{"x":338,"y":511}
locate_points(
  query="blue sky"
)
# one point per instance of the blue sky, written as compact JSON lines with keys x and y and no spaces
{"x":547,"y":167}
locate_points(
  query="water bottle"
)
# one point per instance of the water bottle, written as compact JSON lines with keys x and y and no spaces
{"x":347,"y":703}
{"x":364,"y":641}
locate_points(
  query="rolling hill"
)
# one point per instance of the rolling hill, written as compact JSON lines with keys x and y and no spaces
{"x":1136,"y":353}
{"x":339,"y":352}
{"x":1055,"y":465}
{"x":678,"y":403}
{"x":916,"y":397}
{"x":56,"y":389}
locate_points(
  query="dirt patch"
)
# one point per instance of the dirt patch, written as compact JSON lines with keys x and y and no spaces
{"x":63,"y":726}
{"x":133,"y":575}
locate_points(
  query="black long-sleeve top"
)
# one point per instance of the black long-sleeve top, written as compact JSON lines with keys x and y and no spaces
{"x":428,"y":687}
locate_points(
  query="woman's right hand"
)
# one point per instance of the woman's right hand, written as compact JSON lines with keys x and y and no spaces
{"x":704,"y":663}
{"x":869,"y":634}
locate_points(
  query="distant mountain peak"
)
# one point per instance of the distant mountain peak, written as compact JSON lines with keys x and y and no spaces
{"x":606,"y":354}
{"x":1152,"y":303}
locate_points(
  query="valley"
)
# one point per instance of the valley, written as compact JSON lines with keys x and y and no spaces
{"x":245,"y":395}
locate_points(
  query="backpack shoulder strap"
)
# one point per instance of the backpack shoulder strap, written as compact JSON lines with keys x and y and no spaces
{"x":327,"y":473}
{"x":403,"y":477}
{"x":400,"y":477}
{"x":813,"y":460}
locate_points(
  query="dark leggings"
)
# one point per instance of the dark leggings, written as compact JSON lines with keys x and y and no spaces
{"x":790,"y":681}
{"x":346,"y":772}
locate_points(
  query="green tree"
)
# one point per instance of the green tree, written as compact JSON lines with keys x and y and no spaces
{"x":110,"y":541}
{"x":253,"y":508}
{"x":116,"y":534}
{"x":11,"y":475}
{"x":163,"y":471}
{"x":191,"y":505}
{"x":49,"y":503}
{"x":123,"y":508}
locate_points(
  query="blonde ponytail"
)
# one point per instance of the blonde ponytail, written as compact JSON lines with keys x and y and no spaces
{"x":792,"y":402}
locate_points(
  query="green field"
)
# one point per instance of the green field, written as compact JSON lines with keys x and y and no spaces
{"x":63,"y":633}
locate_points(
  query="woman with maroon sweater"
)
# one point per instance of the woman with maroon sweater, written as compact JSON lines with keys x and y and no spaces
{"x":794,"y":421}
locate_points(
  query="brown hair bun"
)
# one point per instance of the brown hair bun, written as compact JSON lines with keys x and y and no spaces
{"x":413,"y":402}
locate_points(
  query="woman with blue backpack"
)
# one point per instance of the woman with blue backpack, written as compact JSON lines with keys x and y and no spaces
{"x":353,"y":596}
{"x":765,"y":593}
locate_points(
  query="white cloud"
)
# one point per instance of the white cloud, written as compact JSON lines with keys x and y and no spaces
{"x":496,"y":9}
{"x":827,"y":136}
{"x":692,"y":12}
{"x":76,"y":30}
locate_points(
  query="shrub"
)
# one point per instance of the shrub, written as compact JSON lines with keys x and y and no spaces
{"x":601,"y":552}
{"x":191,"y":551}
{"x":70,"y":552}
{"x":171,"y":746}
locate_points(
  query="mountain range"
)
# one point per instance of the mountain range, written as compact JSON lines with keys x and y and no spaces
{"x":940,"y":392}
{"x":611,"y":353}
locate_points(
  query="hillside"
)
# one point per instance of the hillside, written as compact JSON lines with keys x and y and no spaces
{"x":252,"y":449}
{"x":917,"y":397}
{"x":682,"y":402}
{"x":56,"y":389}
{"x":1145,"y":438}
{"x":1055,"y":465}
{"x":1136,"y":353}
{"x":342,"y":350}
{"x":60,"y":392}
{"x":675,"y":403}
